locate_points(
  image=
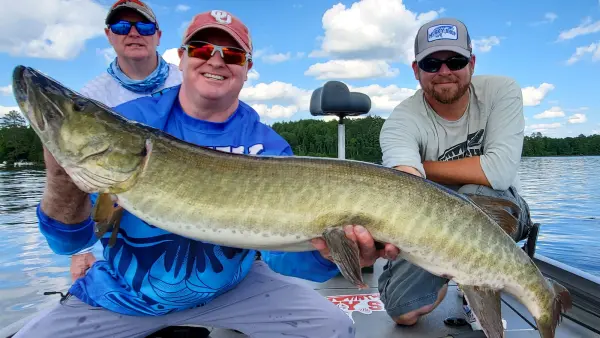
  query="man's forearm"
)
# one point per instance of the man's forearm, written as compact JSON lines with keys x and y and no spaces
{"x":458,"y":172}
{"x":62,"y":199}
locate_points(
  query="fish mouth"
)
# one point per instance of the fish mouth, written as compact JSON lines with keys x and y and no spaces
{"x":20,"y":85}
{"x":40,"y":98}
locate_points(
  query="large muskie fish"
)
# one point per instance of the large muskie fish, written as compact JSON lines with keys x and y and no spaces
{"x":281,"y":203}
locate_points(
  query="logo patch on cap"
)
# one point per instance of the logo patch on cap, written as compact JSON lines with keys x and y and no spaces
{"x":442,"y":32}
{"x":221,"y":17}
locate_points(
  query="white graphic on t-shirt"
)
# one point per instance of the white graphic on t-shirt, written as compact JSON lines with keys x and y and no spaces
{"x":255,"y":149}
{"x":473,"y":146}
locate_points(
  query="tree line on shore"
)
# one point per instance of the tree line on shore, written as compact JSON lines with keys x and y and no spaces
{"x":19,"y":143}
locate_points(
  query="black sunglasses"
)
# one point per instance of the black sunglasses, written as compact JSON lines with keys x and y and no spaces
{"x":433,"y":65}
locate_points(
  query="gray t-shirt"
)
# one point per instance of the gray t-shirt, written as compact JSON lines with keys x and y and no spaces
{"x":492,"y":128}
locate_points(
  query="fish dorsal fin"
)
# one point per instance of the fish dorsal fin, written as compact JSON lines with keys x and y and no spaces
{"x":502,"y":211}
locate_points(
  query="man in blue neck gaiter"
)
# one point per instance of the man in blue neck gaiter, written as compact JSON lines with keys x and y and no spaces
{"x":138,"y":70}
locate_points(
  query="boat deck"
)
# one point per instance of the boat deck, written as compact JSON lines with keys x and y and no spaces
{"x":519,"y":323}
{"x":585,"y":322}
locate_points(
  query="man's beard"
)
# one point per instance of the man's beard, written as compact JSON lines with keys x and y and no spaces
{"x":447,"y":95}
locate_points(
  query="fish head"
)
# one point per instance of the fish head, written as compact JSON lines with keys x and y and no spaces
{"x":100,"y":150}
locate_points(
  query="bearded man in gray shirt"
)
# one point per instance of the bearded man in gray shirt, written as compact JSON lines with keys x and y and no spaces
{"x":462,"y":131}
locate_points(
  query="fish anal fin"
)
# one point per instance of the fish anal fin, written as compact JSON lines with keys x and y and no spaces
{"x":344,"y":252}
{"x":502,"y":211}
{"x":485,"y":304}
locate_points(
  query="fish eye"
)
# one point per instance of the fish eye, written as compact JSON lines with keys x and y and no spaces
{"x":79,"y":104}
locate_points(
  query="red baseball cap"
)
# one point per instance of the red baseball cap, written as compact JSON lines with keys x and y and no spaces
{"x":220,"y":20}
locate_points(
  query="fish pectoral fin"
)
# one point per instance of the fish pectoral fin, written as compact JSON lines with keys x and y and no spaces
{"x":485,"y":304}
{"x":503,"y":211}
{"x":116,"y":221}
{"x":345,"y":253}
{"x":105,"y":214}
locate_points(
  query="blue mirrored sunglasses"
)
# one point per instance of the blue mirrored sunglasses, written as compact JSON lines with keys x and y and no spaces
{"x":123,"y":27}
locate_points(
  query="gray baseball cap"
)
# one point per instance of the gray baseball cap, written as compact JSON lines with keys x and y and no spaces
{"x":446,"y":34}
{"x":136,"y":5}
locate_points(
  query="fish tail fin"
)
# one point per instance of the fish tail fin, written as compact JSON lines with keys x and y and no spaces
{"x":561,"y":303}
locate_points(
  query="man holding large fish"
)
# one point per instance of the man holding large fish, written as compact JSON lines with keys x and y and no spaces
{"x":151,"y":278}
{"x":187,"y":215}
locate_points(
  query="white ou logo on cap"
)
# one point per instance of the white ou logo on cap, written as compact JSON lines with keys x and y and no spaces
{"x":222,"y":17}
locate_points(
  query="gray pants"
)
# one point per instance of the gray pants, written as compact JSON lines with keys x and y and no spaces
{"x":264,"y":305}
{"x":405,"y":287}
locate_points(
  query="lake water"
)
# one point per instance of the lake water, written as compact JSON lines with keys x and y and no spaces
{"x":563,"y":194}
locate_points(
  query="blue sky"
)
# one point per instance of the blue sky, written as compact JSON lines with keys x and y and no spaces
{"x":551,"y":49}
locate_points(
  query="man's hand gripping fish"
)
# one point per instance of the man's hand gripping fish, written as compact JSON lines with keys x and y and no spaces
{"x":281,"y":203}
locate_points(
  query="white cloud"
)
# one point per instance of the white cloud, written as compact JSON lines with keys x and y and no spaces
{"x":485,"y":44}
{"x":533,"y":96}
{"x":371,"y":29}
{"x":276,"y":58}
{"x":283,"y":100}
{"x":384,"y":99}
{"x":277,"y":92}
{"x":182,"y":8}
{"x":269,"y":56}
{"x":593,"y":49}
{"x":276,"y":99}
{"x":578,"y":110}
{"x":56,"y":29}
{"x":549,"y":17}
{"x":108,"y":54}
{"x":550,"y":113}
{"x":543,"y":127}
{"x":6,"y":90}
{"x":351,"y":69}
{"x":335,"y":118}
{"x":4,"y":109}
{"x":171,"y":56}
{"x":275,"y":111}
{"x":253,"y":74}
{"x":586,"y":27}
{"x":577,"y":118}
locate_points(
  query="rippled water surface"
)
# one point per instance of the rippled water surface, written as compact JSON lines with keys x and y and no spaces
{"x":563,"y":193}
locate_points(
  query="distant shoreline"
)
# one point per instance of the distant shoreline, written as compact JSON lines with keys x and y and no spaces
{"x":41,"y":165}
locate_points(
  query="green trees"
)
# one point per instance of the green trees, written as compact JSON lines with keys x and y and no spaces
{"x":319,"y":138}
{"x":538,"y":145}
{"x":18,"y":142}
